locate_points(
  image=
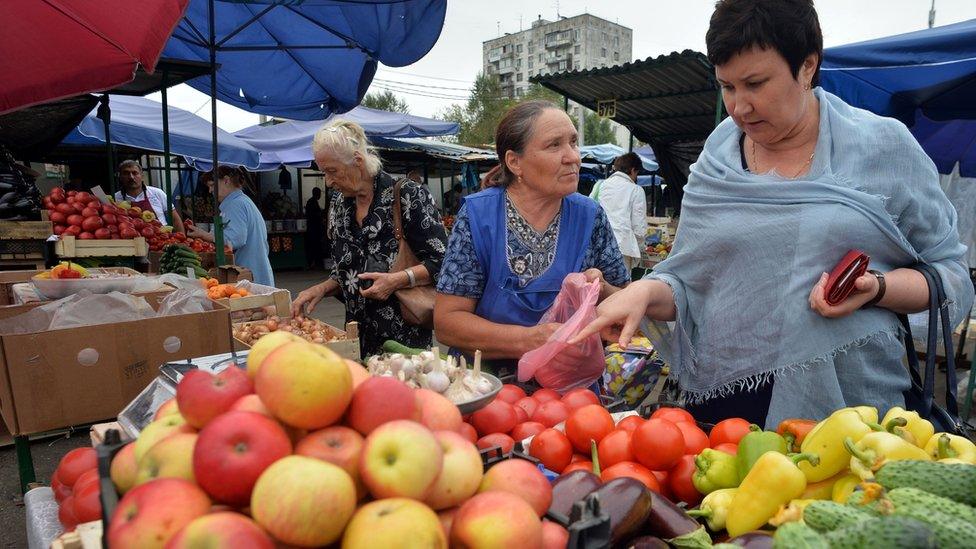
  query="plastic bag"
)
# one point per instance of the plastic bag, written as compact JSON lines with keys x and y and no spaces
{"x":558,"y":365}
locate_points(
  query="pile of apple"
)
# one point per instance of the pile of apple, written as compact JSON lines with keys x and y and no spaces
{"x":82,"y":215}
{"x":306,"y":449}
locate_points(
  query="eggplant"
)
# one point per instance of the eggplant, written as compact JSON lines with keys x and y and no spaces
{"x":6,"y":187}
{"x":8,"y":197}
{"x":628,"y":503}
{"x":648,"y":542}
{"x":667,"y":520}
{"x":754,"y":540}
{"x":570,"y":488}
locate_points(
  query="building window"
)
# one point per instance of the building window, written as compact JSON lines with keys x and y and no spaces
{"x":576,"y":34}
{"x":530,"y":64}
{"x":518,"y":49}
{"x":562,"y":65}
{"x":518,"y":77}
{"x":540,"y":58}
{"x":616,"y":41}
{"x":616,"y":56}
{"x":576,"y":50}
{"x":603,"y":52}
{"x":576,"y":66}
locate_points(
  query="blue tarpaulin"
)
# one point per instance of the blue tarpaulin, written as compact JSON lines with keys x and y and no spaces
{"x":138,"y":122}
{"x":304,"y":59}
{"x":948,"y":143}
{"x":931,"y":70}
{"x":607,"y":152}
{"x":291,"y":142}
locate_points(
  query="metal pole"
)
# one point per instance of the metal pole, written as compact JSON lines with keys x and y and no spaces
{"x":630,"y":148}
{"x":105,"y":113}
{"x":169,"y":184}
{"x":218,"y":222}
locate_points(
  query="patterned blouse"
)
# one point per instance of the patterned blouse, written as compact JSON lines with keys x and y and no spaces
{"x":373,"y":248}
{"x":528,"y":251}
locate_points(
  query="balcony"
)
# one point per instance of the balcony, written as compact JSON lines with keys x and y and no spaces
{"x":559,"y":40}
{"x":506,"y":70}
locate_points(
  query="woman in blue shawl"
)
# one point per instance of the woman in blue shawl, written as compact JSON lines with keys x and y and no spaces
{"x":784,"y":187}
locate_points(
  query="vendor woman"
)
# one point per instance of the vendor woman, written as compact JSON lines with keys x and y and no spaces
{"x":784,"y":187}
{"x":514,"y":242}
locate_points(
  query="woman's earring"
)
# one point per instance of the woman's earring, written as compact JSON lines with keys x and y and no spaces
{"x":806,"y":86}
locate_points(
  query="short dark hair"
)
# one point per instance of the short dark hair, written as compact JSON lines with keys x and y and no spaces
{"x":512,"y":134}
{"x":236,"y":175}
{"x":627,"y":162}
{"x":791,"y":27}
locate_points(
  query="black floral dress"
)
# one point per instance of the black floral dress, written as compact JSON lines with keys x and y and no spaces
{"x":373,"y":248}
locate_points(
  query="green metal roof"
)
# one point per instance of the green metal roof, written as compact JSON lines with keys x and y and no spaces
{"x":668,"y":101}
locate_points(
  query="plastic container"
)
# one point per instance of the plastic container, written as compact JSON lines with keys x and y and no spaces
{"x":472,"y":406}
{"x":128,"y":281}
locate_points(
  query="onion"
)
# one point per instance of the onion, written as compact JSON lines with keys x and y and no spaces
{"x":284,"y":328}
{"x":318,"y":340}
{"x":272,"y":325}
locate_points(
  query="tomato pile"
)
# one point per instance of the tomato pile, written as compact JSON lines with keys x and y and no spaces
{"x":82,"y":215}
{"x":76,"y":488}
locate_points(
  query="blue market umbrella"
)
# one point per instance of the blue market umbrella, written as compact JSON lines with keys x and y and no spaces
{"x":948,"y":143}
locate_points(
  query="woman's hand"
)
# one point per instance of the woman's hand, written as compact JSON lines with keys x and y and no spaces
{"x":537,"y":336}
{"x":384,"y":284}
{"x":865,"y":288}
{"x":619,"y":316}
{"x":196,"y":232}
{"x":606,"y":289}
{"x":306,"y":301}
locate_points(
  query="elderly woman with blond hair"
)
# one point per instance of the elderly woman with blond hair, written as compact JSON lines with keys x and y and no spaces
{"x":364,"y":246}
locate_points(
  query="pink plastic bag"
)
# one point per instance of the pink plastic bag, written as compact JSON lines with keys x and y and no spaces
{"x":558,"y":365}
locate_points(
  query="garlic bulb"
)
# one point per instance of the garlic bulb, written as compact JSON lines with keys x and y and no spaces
{"x":436,"y":380}
{"x":459,"y":391}
{"x":478,"y":383}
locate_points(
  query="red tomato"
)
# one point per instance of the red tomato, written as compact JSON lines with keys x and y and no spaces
{"x":88,"y":477}
{"x":582,"y":465}
{"x":727,"y":447}
{"x":103,"y":234}
{"x":116,"y":237}
{"x":76,"y":220}
{"x":110,"y":219}
{"x":505,"y":442}
{"x":57,"y":195}
{"x":82,"y":197}
{"x":64,"y":208}
{"x":89,"y":212}
{"x":110,"y":209}
{"x":510,"y":393}
{"x":138,"y":223}
{"x":60,"y":490}
{"x":520,"y":415}
{"x":58,"y":229}
{"x":127,"y":232}
{"x":468,"y":432}
{"x":113,"y":229}
{"x":58,"y":218}
{"x":66,"y":514}
{"x":92,"y":224}
{"x":528,"y":404}
{"x":553,"y":449}
{"x":86,"y":505}
{"x":179,"y":236}
{"x":658,"y":444}
{"x":527,"y":429}
{"x":545,"y":395}
{"x":579,"y":457}
{"x":577,"y":398}
{"x":630,"y":423}
{"x":72,"y":230}
{"x":551,"y":413}
{"x":74,"y":463}
{"x":72,"y":193}
{"x":662,"y":479}
{"x":147,"y":232}
{"x":679,"y":481}
{"x":85,"y":235}
{"x":673,"y":415}
{"x":632,"y":470}
{"x":728,"y":430}
{"x":94,"y":204}
{"x":590,"y":423}
{"x":695,"y":439}
{"x":615,"y":448}
{"x":497,"y":417}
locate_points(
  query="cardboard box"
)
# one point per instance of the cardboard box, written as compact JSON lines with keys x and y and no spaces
{"x":7,"y":281}
{"x":231,"y":274}
{"x":59,"y":378}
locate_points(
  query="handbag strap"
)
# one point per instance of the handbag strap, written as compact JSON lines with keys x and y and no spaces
{"x":397,"y":211}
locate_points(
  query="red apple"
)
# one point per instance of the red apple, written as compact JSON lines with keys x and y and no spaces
{"x":522,"y":478}
{"x":338,"y":445}
{"x":233,"y":450}
{"x":250,"y":403}
{"x":151,"y":513}
{"x":380,"y":400}
{"x":303,"y":501}
{"x":496,"y":519}
{"x":468,"y":432}
{"x":223,"y":530}
{"x":400,"y":459}
{"x":359,"y":374}
{"x":447,"y":519}
{"x":202,"y":396}
{"x":554,"y":536}
{"x":436,"y":412}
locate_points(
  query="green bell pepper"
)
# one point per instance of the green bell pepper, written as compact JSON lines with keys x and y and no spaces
{"x":754,"y":445}
{"x":715,"y":470}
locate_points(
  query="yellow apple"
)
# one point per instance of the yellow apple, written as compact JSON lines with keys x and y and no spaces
{"x":394,"y":523}
{"x":171,"y":457}
{"x":124,"y":468}
{"x":401,"y":459}
{"x":264,"y":346}
{"x":167,"y":408}
{"x":304,"y":385}
{"x":460,"y":475}
{"x":221,"y":530}
{"x":157,"y":431}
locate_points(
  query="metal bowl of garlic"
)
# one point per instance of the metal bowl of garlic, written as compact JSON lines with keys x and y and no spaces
{"x":480,"y":402}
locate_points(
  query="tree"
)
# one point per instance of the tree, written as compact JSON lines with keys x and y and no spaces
{"x":479,"y":117}
{"x":386,"y":101}
{"x":597,"y":131}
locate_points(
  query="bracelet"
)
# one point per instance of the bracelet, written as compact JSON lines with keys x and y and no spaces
{"x":881,"y":289}
{"x":411,"y":278}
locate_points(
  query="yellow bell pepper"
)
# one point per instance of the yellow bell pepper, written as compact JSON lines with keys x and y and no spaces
{"x":826,"y":440}
{"x":844,"y":487}
{"x":715,"y":508}
{"x":772,"y":482}
{"x":823,"y":489}
{"x":944,"y":446}
{"x":877,"y":448}
{"x":868,"y":413}
{"x":920,"y":428}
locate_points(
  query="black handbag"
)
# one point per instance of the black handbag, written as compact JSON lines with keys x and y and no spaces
{"x":921,"y":397}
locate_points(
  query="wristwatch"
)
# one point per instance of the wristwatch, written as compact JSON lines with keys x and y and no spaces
{"x":881,"y":289}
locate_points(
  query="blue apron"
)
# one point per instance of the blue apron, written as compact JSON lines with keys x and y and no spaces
{"x":503,"y":301}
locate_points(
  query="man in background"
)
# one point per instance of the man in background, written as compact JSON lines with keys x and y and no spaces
{"x":625,"y":205}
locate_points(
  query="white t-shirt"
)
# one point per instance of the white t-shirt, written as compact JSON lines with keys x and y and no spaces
{"x":623,"y":201}
{"x":157,"y":197}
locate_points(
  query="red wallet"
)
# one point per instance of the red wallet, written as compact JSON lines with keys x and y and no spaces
{"x":840,"y":282}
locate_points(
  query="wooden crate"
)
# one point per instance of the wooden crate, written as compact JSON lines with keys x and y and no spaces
{"x":25,"y":230}
{"x":279,"y":299}
{"x":346,"y":348}
{"x":69,"y":246}
{"x":85,"y":536}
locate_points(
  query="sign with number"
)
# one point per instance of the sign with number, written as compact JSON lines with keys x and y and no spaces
{"x":606,"y":108}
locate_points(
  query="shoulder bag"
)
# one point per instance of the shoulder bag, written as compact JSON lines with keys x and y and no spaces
{"x":417,"y":303}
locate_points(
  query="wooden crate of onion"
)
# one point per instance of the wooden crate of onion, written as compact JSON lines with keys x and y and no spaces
{"x":344,"y":342}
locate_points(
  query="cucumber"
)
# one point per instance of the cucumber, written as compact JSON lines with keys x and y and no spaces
{"x":390,"y":346}
{"x":902,"y":497}
{"x":796,"y":535}
{"x":825,"y":516}
{"x":950,"y":532}
{"x":955,"y":481}
{"x":890,"y":532}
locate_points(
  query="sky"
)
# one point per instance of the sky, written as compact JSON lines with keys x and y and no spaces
{"x":660,"y":27}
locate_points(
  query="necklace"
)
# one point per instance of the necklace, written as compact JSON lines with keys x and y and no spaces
{"x":755,"y":161}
